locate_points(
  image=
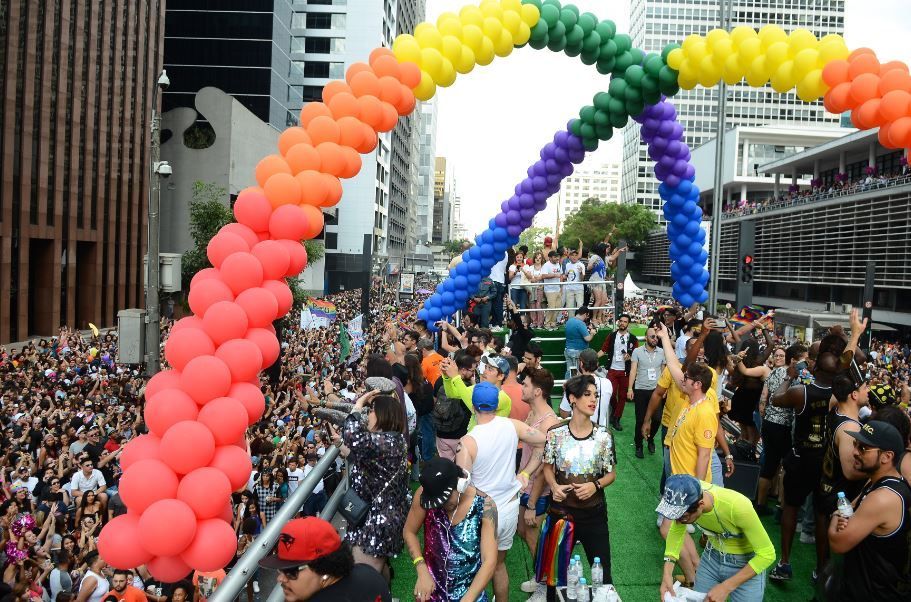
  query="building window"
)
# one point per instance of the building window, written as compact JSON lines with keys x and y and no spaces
{"x":331,"y":240}
{"x":325,"y":21}
{"x":312,"y":93}
{"x":324,"y":45}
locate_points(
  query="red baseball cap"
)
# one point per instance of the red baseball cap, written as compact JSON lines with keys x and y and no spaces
{"x":303,"y":540}
{"x":548,"y":241}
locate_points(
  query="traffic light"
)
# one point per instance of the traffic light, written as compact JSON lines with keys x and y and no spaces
{"x":746,"y":268}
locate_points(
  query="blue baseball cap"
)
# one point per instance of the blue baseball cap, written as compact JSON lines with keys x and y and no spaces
{"x":485,"y":397}
{"x":497,"y":361}
{"x":680,"y":492}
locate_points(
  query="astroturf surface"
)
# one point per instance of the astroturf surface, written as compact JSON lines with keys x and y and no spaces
{"x":636,"y":546}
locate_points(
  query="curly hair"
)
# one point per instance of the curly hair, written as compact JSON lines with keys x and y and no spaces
{"x":337,"y":564}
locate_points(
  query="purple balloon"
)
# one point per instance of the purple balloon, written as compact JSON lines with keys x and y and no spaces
{"x":552,"y":166}
{"x":660,"y":143}
{"x":514,"y":204}
{"x":500,"y":219}
{"x":560,"y":138}
{"x":515,"y":230}
{"x":672,"y":180}
{"x":539,"y":183}
{"x":526,"y":200}
{"x":690,"y":173}
{"x":527,"y":213}
{"x":513,"y":217}
{"x":530,"y":171}
{"x":541,"y":205}
{"x":651,"y":124}
{"x":575,"y":143}
{"x":678,"y":131}
{"x":661,"y":171}
{"x":666,"y":161}
{"x":554,"y":178}
{"x":577,"y":156}
{"x":561,"y":155}
{"x":540,"y":168}
{"x":553,"y":188}
{"x":567,"y":170}
{"x":673,"y":148}
{"x":527,"y":186}
{"x":666,"y":128}
{"x":526,"y":223}
{"x":548,"y":151}
{"x":540,"y":195}
{"x":653,"y":153}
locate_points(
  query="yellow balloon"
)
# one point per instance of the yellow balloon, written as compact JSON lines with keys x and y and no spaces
{"x":472,"y":36}
{"x":687,"y":83}
{"x":426,"y":89}
{"x":749,"y":49}
{"x":808,"y":87}
{"x":530,"y":14}
{"x":709,"y":72}
{"x":431,"y":61}
{"x":511,"y":22}
{"x":801,"y":39}
{"x":776,"y":54}
{"x":485,"y":55}
{"x":771,"y":34}
{"x":503,"y":46}
{"x":697,"y":51}
{"x":690,"y":40}
{"x":689,"y":71}
{"x":742,"y":33}
{"x":428,"y":36}
{"x":471,"y":15}
{"x":675,"y":58}
{"x":783,"y":77}
{"x":492,"y":28}
{"x":447,"y":75}
{"x":406,"y":48}
{"x":513,"y":5}
{"x":523,"y":36}
{"x":723,"y":48}
{"x":758,"y":73}
{"x":732,"y":71}
{"x":805,"y":61}
{"x":449,"y":24}
{"x":715,"y":36}
{"x":832,"y":48}
{"x":451,"y":48}
{"x":466,"y":62}
{"x":492,"y":8}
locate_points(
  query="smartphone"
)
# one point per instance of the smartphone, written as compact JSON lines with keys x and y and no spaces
{"x":719,"y":323}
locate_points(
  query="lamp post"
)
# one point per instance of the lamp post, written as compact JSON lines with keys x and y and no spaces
{"x":718,"y":192}
{"x":157,"y":170}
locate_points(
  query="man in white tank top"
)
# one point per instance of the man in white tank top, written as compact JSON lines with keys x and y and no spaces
{"x":488,"y":453}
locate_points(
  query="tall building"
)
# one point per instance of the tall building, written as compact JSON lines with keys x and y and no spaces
{"x":77,"y":79}
{"x":598,"y":181}
{"x":440,"y":231}
{"x":243,"y":47}
{"x":425,"y":200}
{"x":656,"y":23}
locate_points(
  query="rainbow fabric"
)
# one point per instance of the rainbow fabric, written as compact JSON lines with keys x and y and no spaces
{"x":322,"y":309}
{"x":747,"y":315}
{"x":555,"y":546}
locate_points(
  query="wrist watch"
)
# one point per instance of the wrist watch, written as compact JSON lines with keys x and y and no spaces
{"x":729,"y":457}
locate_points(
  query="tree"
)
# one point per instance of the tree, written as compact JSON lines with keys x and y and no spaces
{"x":593,"y":220}
{"x":454,"y":247}
{"x":209,"y":211}
{"x":533,"y":238}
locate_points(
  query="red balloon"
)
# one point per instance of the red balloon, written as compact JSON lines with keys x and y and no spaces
{"x":260,"y":305}
{"x":203,"y":274}
{"x":213,"y":547}
{"x":224,"y":321}
{"x":241,"y":271}
{"x":267,"y":343}
{"x":167,"y":527}
{"x":252,"y":397}
{"x":248,"y":234}
{"x":185,"y":344}
{"x":207,"y":293}
{"x":274,"y":258}
{"x":242,"y":357}
{"x":226,"y":514}
{"x":147,"y":482}
{"x":166,"y":379}
{"x":224,"y":244}
{"x":168,"y":408}
{"x":226,"y":418}
{"x":169,"y":569}
{"x":315,"y":221}
{"x":298,"y":256}
{"x":282,"y":294}
{"x":205,"y":378}
{"x":186,"y":446}
{"x":235,"y":463}
{"x":288,"y":222}
{"x":143,"y":447}
{"x":253,"y":209}
{"x":205,"y":491}
{"x":118,"y":543}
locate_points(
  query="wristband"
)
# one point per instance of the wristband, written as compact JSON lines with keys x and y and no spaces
{"x":527,"y":476}
{"x":597,"y":485}
{"x":729,"y":457}
{"x":418,"y":560}
{"x":669,"y":559}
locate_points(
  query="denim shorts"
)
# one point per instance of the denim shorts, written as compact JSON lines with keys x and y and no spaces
{"x":540,"y":507}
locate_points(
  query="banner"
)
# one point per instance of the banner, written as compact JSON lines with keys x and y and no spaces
{"x":355,"y":331}
{"x":406,"y":283}
{"x":317,"y":313}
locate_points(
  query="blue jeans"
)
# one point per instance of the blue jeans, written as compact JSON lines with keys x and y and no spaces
{"x":519,"y":296}
{"x":497,"y":318}
{"x":315,"y":503}
{"x":572,"y":360}
{"x":482,"y":311}
{"x":715,"y":567}
{"x":717,"y":470}
{"x":427,"y":437}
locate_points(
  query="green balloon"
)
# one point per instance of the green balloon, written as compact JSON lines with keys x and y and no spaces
{"x":550,"y":14}
{"x":587,"y":22}
{"x":619,"y":120}
{"x":557,"y":44}
{"x":624,"y":43}
{"x":575,"y":35}
{"x":592,"y":42}
{"x":568,"y":17}
{"x":588,"y":131}
{"x":605,"y":64}
{"x":575,"y":127}
{"x":540,"y":43}
{"x":651,"y":96}
{"x":587,"y":114}
{"x":536,"y":3}
{"x":634,"y":108}
{"x":554,"y":3}
{"x":607,"y":29}
{"x":617,"y":87}
{"x":605,"y":132}
{"x":638,"y":56}
{"x":609,"y":49}
{"x":624,"y":61}
{"x":653,"y":64}
{"x":649,"y":84}
{"x":633,"y":94}
{"x":574,"y":50}
{"x":602,"y":100}
{"x":601,"y":118}
{"x":670,"y":89}
{"x":667,"y":50}
{"x":591,"y":144}
{"x":590,"y":58}
{"x":616,"y":108}
{"x":539,"y":31}
{"x":573,"y":9}
{"x":666,"y":78}
{"x":558,"y":30}
{"x":633,"y":75}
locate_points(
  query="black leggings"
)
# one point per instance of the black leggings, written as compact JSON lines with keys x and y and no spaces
{"x":776,"y":440}
{"x":590,"y":527}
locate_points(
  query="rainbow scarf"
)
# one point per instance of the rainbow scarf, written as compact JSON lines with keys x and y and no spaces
{"x":555,"y":546}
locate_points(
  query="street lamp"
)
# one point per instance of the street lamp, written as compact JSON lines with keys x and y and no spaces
{"x":157,"y":169}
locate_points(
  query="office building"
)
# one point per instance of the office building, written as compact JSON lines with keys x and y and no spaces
{"x":656,"y":23}
{"x":589,"y":181}
{"x":78,"y":77}
{"x":440,"y":231}
{"x":425,"y":204}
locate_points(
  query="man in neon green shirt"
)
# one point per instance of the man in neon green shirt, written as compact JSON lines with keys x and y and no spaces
{"x":738,"y":551}
{"x":495,"y":370}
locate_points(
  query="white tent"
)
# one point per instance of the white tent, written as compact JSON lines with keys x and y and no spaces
{"x":630,"y":289}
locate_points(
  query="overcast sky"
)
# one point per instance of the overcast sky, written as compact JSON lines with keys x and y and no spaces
{"x":493,"y":121}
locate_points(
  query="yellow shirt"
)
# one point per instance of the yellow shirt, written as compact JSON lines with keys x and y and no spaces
{"x":677,"y":399}
{"x":694,"y":428}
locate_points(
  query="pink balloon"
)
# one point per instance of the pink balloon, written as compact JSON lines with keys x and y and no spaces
{"x":223,"y":244}
{"x":235,"y":463}
{"x":298,"y":256}
{"x":166,"y":379}
{"x":147,"y":482}
{"x":267,"y":343}
{"x":205,"y":491}
{"x":206,"y":293}
{"x":168,"y":408}
{"x":213,"y":547}
{"x":186,"y":446}
{"x":143,"y":447}
{"x":188,"y":323}
{"x":119,"y":545}
{"x":260,"y":305}
{"x":205,"y":274}
{"x":185,"y":344}
{"x":242,"y":357}
{"x":274,"y":257}
{"x":282,"y":294}
{"x":243,"y":231}
{"x":167,"y":527}
{"x":288,"y":222}
{"x":169,"y":569}
{"x":224,"y":321}
{"x":253,"y":209}
{"x":226,"y":418}
{"x":205,"y":378}
{"x":241,"y":271}
{"x":252,"y":397}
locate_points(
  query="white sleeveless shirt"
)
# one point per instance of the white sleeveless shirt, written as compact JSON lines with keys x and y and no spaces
{"x":493,"y":471}
{"x":102,"y":586}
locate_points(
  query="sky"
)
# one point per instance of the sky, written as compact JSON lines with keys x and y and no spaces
{"x":492,"y":122}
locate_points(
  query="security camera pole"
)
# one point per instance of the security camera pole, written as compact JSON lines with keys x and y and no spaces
{"x":153,"y":325}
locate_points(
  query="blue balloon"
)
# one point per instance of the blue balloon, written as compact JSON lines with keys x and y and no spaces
{"x":487,"y":250}
{"x":686,"y":261}
{"x":492,"y":224}
{"x":686,"y":281}
{"x":680,"y":221}
{"x":487,"y":263}
{"x":462,"y":269}
{"x":677,"y":271}
{"x":499,"y":234}
{"x":703,"y":297}
{"x":694,"y":248}
{"x":500,"y":247}
{"x":699,"y":237}
{"x":434,"y":314}
{"x":703,"y":278}
{"x":703,"y":257}
{"x":688,"y":208}
{"x":448,"y":310}
{"x":461,"y":295}
{"x":474,"y":279}
{"x":445,"y":286}
{"x":685,"y":299}
{"x":448,"y":299}
{"x":673,"y":251}
{"x":486,"y":238}
{"x":513,"y":239}
{"x":422,"y":314}
{"x":474,"y":252}
{"x":691,"y":228}
{"x":696,"y":290}
{"x":474,"y":268}
{"x":435,"y":299}
{"x":683,"y":241}
{"x":459,"y":282}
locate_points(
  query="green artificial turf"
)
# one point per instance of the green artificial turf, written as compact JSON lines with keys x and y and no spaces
{"x":636,"y":545}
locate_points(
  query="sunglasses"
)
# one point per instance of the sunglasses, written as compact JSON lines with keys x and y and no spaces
{"x":291,"y":573}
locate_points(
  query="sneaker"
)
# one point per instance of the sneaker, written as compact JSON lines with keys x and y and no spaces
{"x":256,"y":587}
{"x":814,"y":577}
{"x":781,"y":572}
{"x":639,"y":453}
{"x":529,"y":587}
{"x":660,"y":520}
{"x":807,"y":538}
{"x":651,"y":447}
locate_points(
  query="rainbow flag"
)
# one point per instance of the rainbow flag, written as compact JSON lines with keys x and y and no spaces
{"x":747,"y":315}
{"x":321,"y":309}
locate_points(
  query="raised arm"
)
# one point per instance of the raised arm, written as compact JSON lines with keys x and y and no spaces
{"x":670,"y":356}
{"x":858,"y":327}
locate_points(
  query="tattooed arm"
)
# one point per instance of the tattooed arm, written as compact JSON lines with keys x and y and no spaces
{"x":488,"y":551}
{"x":528,"y":434}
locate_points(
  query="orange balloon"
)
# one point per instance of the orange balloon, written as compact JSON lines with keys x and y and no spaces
{"x":410,"y":74}
{"x":365,"y":83}
{"x":323,"y":129}
{"x":371,"y":111}
{"x":835,"y":72}
{"x":390,"y":90}
{"x":386,"y":65}
{"x":377,"y":53}
{"x":867,"y":114}
{"x":883,"y":134}
{"x":315,"y":221}
{"x":302,"y":157}
{"x":900,"y":133}
{"x":860,"y":52}
{"x":390,"y":117}
{"x":864,"y":63}
{"x":838,"y":99}
{"x":894,"y":105}
{"x":312,"y":110}
{"x":269,"y":166}
{"x":344,"y":104}
{"x":282,"y":189}
{"x":332,"y":157}
{"x":370,"y":140}
{"x":408,"y":101}
{"x":335,"y":190}
{"x":314,"y":189}
{"x":356,"y":68}
{"x":863,"y":88}
{"x":351,"y":132}
{"x":292,"y":136}
{"x":352,"y":162}
{"x":895,"y":79}
{"x":334,"y":87}
{"x":891,"y":66}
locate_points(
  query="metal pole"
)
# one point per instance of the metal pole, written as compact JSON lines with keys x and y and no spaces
{"x":718,"y":192}
{"x":153,"y":326}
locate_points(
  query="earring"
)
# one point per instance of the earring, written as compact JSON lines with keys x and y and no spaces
{"x":325,"y":577}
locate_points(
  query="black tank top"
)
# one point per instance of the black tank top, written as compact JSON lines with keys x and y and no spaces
{"x":810,"y":422}
{"x":833,"y":478}
{"x":879,"y":567}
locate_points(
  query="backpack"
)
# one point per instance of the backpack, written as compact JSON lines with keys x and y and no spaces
{"x":448,"y":412}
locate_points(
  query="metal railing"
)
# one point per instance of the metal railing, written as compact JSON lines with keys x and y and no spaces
{"x":607,"y":284}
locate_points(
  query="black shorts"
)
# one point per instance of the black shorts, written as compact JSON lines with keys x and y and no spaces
{"x":802,"y":474}
{"x":776,"y":439}
{"x":825,"y":503}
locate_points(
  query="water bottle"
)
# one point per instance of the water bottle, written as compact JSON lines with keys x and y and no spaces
{"x":582,"y":594}
{"x":597,"y":575}
{"x":844,"y":505}
{"x":572,"y":580}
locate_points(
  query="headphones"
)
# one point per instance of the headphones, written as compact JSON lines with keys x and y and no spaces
{"x":463,"y":482}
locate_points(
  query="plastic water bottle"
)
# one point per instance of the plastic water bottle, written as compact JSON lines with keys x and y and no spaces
{"x":583,"y":593}
{"x":844,"y":505}
{"x":597,"y":575}
{"x":572,"y":581}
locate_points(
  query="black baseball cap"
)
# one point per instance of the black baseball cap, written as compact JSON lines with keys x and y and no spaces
{"x":439,"y":478}
{"x":880,"y":435}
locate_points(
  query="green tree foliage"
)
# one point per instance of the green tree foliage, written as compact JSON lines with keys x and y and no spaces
{"x":454,"y":247}
{"x":593,"y":220}
{"x":209,"y":211}
{"x":533,"y":238}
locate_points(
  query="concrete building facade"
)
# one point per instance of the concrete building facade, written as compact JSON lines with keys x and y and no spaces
{"x":425,"y":200}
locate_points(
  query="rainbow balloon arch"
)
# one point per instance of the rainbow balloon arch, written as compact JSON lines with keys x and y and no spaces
{"x":178,"y":479}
